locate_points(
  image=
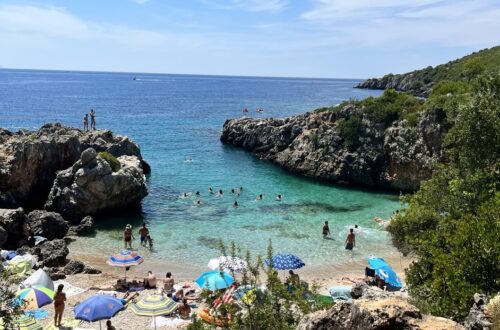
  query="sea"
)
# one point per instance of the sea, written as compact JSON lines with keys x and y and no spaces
{"x":177,"y":121}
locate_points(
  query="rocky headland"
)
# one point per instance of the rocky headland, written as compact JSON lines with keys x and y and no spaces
{"x":396,"y":157}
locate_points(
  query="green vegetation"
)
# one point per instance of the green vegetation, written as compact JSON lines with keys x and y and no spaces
{"x":273,"y":308}
{"x":350,"y":130}
{"x":112,"y":161}
{"x":8,"y":310}
{"x":453,"y":222}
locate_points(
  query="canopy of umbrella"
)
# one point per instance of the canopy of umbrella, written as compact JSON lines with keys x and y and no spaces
{"x":154,"y":305}
{"x":39,"y":277}
{"x":228,"y":264}
{"x":285,"y":262}
{"x":34,"y":297}
{"x":384,"y":271}
{"x":96,"y":308}
{"x":215,"y":280}
{"x":24,"y":323}
{"x":125,"y":259}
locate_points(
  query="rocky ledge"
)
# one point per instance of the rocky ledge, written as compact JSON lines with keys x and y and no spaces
{"x":397,"y":157}
{"x":406,"y":82}
{"x":30,"y":160}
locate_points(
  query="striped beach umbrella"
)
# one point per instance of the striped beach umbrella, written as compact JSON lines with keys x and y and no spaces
{"x":24,"y":323}
{"x":35,"y":297}
{"x":154,"y":305}
{"x":125,"y":259}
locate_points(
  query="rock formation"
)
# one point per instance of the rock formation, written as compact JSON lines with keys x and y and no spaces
{"x":91,"y":187}
{"x":29,"y":160}
{"x":398,"y":157}
{"x":11,"y":226}
{"x":85,"y":227}
{"x":50,"y":225}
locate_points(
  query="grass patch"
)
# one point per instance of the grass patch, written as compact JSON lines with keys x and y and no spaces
{"x":112,"y":161}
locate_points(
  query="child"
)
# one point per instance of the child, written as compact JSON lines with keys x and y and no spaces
{"x":150,"y":241}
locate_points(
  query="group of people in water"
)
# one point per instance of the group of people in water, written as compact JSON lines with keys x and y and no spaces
{"x":350,"y":241}
{"x":258,"y":110}
{"x":144,"y":236}
{"x":236,"y":192}
{"x":86,"y":121}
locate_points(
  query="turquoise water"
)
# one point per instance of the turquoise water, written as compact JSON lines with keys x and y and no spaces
{"x":178,"y":118}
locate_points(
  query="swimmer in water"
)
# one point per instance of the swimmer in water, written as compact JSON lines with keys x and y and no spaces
{"x":232,"y":191}
{"x":210,"y":190}
{"x":235,"y":204}
{"x":197,"y":194}
{"x":186,"y":195}
{"x":189,"y":160}
{"x":221,"y":193}
{"x":279,"y":198}
{"x":197,"y":203}
{"x":260,"y":197}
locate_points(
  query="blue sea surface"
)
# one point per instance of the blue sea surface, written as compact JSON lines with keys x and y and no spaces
{"x":177,"y":121}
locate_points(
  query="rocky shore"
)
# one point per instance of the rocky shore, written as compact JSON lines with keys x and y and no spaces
{"x":397,"y":157}
{"x":54,"y":180}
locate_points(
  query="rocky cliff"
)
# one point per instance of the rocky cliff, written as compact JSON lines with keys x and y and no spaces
{"x":29,"y":160}
{"x":397,"y":157}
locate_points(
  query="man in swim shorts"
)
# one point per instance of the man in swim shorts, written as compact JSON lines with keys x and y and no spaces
{"x":143,"y":233}
{"x":350,"y":241}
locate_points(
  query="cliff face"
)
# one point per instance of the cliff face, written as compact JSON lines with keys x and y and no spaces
{"x":29,"y":160}
{"x":406,"y":82}
{"x":397,"y":157}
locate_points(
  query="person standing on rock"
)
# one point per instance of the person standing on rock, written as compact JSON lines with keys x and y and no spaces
{"x":128,"y":237}
{"x":86,"y":122}
{"x":143,"y":233}
{"x":350,"y":241}
{"x":59,"y":303}
{"x":92,"y":119}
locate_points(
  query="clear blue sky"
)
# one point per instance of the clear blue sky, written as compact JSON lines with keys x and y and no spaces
{"x":305,"y":38}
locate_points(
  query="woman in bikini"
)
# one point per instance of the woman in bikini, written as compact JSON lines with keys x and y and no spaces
{"x":59,"y":303}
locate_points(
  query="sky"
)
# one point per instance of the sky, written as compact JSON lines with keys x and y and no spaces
{"x":286,"y":38}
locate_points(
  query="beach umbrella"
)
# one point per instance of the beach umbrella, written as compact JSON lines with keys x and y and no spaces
{"x":39,"y":277}
{"x":25,"y":323}
{"x":214,"y":280}
{"x":154,"y":305}
{"x":35,"y":297}
{"x":97,"y":308}
{"x":285,"y":262}
{"x":384,"y":271}
{"x":228,"y":264}
{"x":125,"y":259}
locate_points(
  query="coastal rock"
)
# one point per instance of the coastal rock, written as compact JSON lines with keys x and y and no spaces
{"x":397,"y":157}
{"x":74,"y":267}
{"x":11,"y":226}
{"x":29,"y":160}
{"x":91,"y":187}
{"x":477,"y":319}
{"x":55,"y":273}
{"x":50,"y":225}
{"x":51,"y":253}
{"x":91,"y":270}
{"x":85,"y":227}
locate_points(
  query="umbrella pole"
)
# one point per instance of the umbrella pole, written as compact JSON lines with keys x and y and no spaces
{"x":100,"y":326}
{"x":154,"y":318}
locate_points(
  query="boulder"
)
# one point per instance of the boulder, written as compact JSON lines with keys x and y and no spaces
{"x":50,"y":225}
{"x":55,"y":273}
{"x":29,"y":160}
{"x":477,"y":319}
{"x":91,"y":270}
{"x":11,"y":227}
{"x":91,"y":188}
{"x":51,"y":253}
{"x":85,"y":227}
{"x":74,"y":267}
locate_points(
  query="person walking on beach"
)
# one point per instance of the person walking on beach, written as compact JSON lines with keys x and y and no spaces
{"x":128,"y":236}
{"x":143,"y":233}
{"x":326,"y":229}
{"x":92,"y":119}
{"x":350,"y":241}
{"x":86,"y":122}
{"x":59,"y":303}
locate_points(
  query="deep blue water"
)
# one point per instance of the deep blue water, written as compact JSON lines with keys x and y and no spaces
{"x":175,"y":118}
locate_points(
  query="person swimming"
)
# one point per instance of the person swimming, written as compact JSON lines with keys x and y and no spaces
{"x":260,"y":197}
{"x":233,"y":191}
{"x":235,"y":204}
{"x":279,"y":198}
{"x":210,"y":190}
{"x":189,"y":160}
{"x":221,"y":193}
{"x":197,"y":194}
{"x":197,"y":203}
{"x":186,"y":195}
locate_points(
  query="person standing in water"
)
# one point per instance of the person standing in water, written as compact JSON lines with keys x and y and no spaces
{"x":92,"y":119}
{"x":235,"y":205}
{"x":143,"y":234}
{"x":326,"y":229}
{"x":59,"y":303}
{"x":350,"y":241}
{"x":86,"y":122}
{"x":128,"y":236}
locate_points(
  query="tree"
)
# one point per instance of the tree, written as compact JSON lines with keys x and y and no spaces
{"x":8,"y":310}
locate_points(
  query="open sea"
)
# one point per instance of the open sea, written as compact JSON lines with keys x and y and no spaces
{"x":177,"y":120}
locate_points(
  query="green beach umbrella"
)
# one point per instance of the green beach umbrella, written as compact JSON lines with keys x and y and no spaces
{"x":35,"y":297}
{"x":154,"y":305}
{"x":24,"y":323}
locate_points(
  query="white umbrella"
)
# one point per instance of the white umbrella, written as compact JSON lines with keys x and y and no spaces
{"x":228,"y":264}
{"x":39,"y":278}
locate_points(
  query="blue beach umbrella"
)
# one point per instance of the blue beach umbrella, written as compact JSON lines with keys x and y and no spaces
{"x":384,"y":271}
{"x":285,"y":262}
{"x":96,"y":308}
{"x":214,"y":280}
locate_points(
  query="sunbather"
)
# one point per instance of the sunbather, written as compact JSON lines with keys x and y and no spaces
{"x":184,"y":310}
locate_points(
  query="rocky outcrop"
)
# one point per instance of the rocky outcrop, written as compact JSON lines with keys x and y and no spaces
{"x":477,"y":318}
{"x":398,"y":157}
{"x":51,"y":253}
{"x":85,"y":227}
{"x":29,"y":160}
{"x":50,"y":225}
{"x":91,"y":187}
{"x":11,"y":226}
{"x":407,"y":82}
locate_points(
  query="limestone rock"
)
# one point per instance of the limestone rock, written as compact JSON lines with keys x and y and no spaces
{"x":74,"y":267}
{"x":92,"y":187}
{"x":477,"y":319}
{"x":50,"y":225}
{"x":91,"y":270}
{"x":11,"y":226}
{"x":29,"y":160}
{"x":85,"y":227}
{"x":51,"y":253}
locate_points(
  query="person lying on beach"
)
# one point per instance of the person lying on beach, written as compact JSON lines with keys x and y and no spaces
{"x":150,"y":281}
{"x":168,"y":283}
{"x":127,"y":297}
{"x":279,"y":198}
{"x":184,"y":310}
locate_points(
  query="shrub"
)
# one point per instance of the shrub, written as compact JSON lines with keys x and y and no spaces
{"x":112,"y":161}
{"x":8,"y":310}
{"x":350,"y":130}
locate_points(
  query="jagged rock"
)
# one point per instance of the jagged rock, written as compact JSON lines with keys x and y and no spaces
{"x":55,"y":273}
{"x":29,"y":160}
{"x":398,"y":157}
{"x":50,"y":225}
{"x":91,"y":270}
{"x":74,"y":267}
{"x":11,"y":226}
{"x":477,"y":319}
{"x":93,"y":188}
{"x":85,"y":227}
{"x":51,"y":253}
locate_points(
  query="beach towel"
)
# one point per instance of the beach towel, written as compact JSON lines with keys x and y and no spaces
{"x":27,"y":257}
{"x":341,"y":292}
{"x":165,"y":321}
{"x":108,"y":293}
{"x":69,"y":289}
{"x":37,"y":314}
{"x":65,"y":323}
{"x":39,"y":240}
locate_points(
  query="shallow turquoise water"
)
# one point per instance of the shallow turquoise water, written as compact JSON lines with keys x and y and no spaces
{"x":175,"y":118}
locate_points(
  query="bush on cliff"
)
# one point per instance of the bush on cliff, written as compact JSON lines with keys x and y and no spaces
{"x":8,"y":310}
{"x":453,"y":222}
{"x":350,"y":130}
{"x":112,"y":161}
